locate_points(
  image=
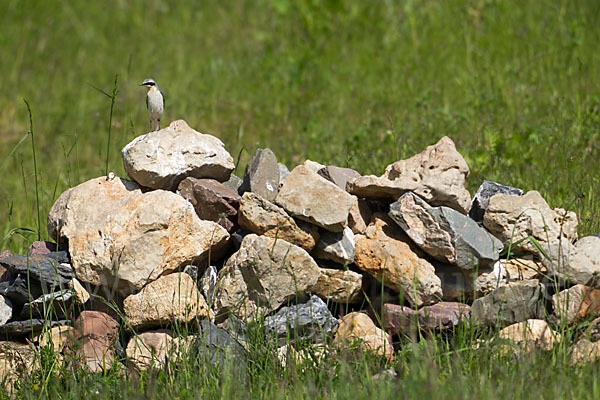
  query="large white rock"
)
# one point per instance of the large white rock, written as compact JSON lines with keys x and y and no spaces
{"x":262,"y":275}
{"x":121,"y":238}
{"x":170,"y":299}
{"x":161,"y":159}
{"x":437,"y":175}
{"x":512,"y":218}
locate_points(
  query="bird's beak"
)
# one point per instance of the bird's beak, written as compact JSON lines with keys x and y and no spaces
{"x":141,"y":84}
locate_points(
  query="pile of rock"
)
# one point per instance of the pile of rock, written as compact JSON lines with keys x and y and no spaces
{"x":186,"y":243}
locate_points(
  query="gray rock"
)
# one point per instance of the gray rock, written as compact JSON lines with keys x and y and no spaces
{"x":234,"y":182}
{"x":19,"y":291}
{"x":208,"y":284}
{"x":162,"y":159}
{"x":16,"y":329}
{"x":56,"y":305}
{"x":314,"y":199}
{"x":283,"y":173}
{"x":262,"y":175}
{"x":439,"y":230}
{"x":515,"y":302}
{"x":45,"y":270}
{"x":192,"y":271}
{"x":215,"y":346}
{"x":339,"y":176}
{"x":311,"y":320}
{"x":339,"y":247}
{"x":483,"y":195}
{"x":212,"y":201}
{"x":6,"y":310}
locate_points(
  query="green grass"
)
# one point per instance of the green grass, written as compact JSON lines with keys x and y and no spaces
{"x":361,"y":84}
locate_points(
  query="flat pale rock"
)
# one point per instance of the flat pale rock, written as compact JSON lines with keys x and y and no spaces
{"x":513,"y":217}
{"x":149,"y":235}
{"x":339,"y":247}
{"x":576,"y":303}
{"x":515,"y":302}
{"x":486,"y":190}
{"x":173,"y":298}
{"x":437,"y":175}
{"x":338,"y":175}
{"x":445,"y":234}
{"x":358,"y":328}
{"x":262,"y":275}
{"x":161,"y":159}
{"x":6,"y":310}
{"x":212,"y":201}
{"x":579,"y":263}
{"x":385,"y":253}
{"x":262,"y":217}
{"x":339,"y":286}
{"x":310,"y":197}
{"x":531,"y":334}
{"x":520,"y":268}
{"x":262,"y":175}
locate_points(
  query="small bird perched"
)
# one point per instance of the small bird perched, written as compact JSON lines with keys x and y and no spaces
{"x":155,"y":101}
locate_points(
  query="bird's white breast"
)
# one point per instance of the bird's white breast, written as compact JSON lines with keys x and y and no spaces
{"x":155,"y":102}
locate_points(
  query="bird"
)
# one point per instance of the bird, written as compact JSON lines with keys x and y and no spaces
{"x":155,"y":101}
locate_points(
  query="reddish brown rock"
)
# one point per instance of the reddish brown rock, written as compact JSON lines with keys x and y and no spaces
{"x":93,"y":341}
{"x":441,"y":316}
{"x":40,"y":248}
{"x":212,"y":200}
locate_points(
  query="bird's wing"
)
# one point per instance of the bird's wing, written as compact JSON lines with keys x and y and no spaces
{"x":163,"y":96}
{"x":147,"y":103}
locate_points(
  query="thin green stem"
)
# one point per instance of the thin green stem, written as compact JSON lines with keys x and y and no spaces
{"x":35,"y":173}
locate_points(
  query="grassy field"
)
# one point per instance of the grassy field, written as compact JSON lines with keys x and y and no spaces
{"x":515,"y":84}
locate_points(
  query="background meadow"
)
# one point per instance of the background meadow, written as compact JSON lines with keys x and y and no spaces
{"x":515,"y":84}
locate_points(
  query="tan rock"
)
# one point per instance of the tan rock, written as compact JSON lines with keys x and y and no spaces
{"x":57,"y":337}
{"x":147,"y":236}
{"x":584,"y":352}
{"x":262,"y":217}
{"x":517,"y":269}
{"x":339,"y":286}
{"x":310,"y":197}
{"x":531,"y":334}
{"x":81,"y":295}
{"x":576,"y":303}
{"x":511,"y":218}
{"x":173,"y":298}
{"x":162,"y":159}
{"x":17,"y":361}
{"x":384,"y":252}
{"x":359,"y":216}
{"x":150,"y":350}
{"x":86,"y":204}
{"x":357,"y":327}
{"x":437,"y":175}
{"x":262,"y":275}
